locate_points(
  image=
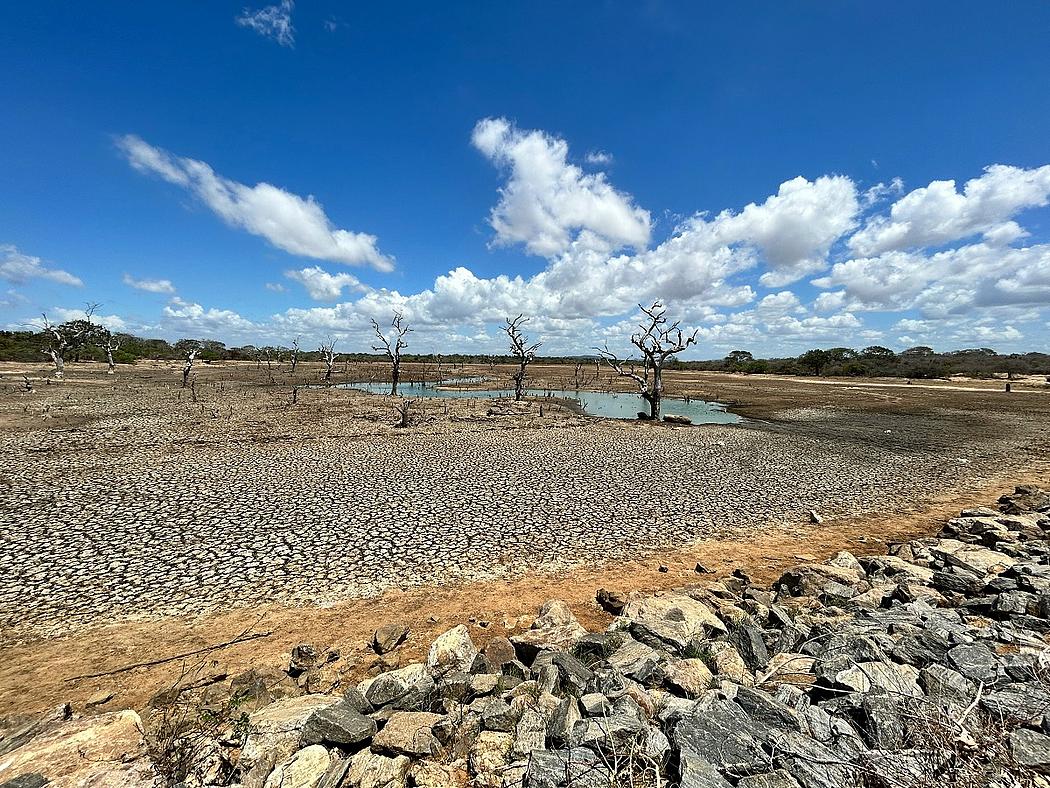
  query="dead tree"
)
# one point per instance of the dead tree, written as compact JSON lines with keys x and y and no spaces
{"x":405,"y":418}
{"x":328,"y":357}
{"x":522,"y":350}
{"x":392,"y":347}
{"x":295,"y":354}
{"x":67,"y":337}
{"x":658,"y":341}
{"x":187,"y":366}
{"x":112,"y":344}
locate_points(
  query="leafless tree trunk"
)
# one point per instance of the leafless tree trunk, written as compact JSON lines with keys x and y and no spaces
{"x":111,"y":345}
{"x":658,"y":341}
{"x":187,"y":368}
{"x":328,"y":356}
{"x":27,"y":384}
{"x":295,"y":354}
{"x":59,"y":343}
{"x":403,"y":412}
{"x":522,"y":350}
{"x":392,"y":347}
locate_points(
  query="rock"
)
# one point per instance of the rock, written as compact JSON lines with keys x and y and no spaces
{"x":336,"y":774}
{"x":556,"y":628}
{"x":1021,"y":701}
{"x":485,"y":684}
{"x":971,"y":558}
{"x":499,"y":651}
{"x":530,"y":734}
{"x":883,"y":724}
{"x":671,"y":622}
{"x":598,"y":646}
{"x":304,"y":657}
{"x":887,"y":677}
{"x":388,"y":637}
{"x":749,"y":644}
{"x":452,"y":651}
{"x":767,"y":710}
{"x":810,"y":763}
{"x":305,"y":769}
{"x":690,"y":676}
{"x":944,"y":685}
{"x":729,"y":664}
{"x":340,"y":724}
{"x":274,"y":733}
{"x":975,"y":661}
{"x":259,"y":687}
{"x":721,"y":733}
{"x":611,"y":601}
{"x":815,"y":518}
{"x":369,"y":770}
{"x":698,"y":773}
{"x":108,"y":749}
{"x":1025,"y":498}
{"x":1030,"y":750}
{"x":563,"y":721}
{"x":810,"y":579}
{"x":775,"y":779}
{"x":790,"y":668}
{"x":672,"y":418}
{"x":407,"y":688}
{"x":577,"y":767}
{"x":408,"y":733}
{"x":489,"y":753}
{"x":427,"y":774}
{"x":635,"y":660}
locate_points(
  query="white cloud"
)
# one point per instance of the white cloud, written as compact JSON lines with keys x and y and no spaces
{"x":272,"y":21}
{"x":150,"y":285}
{"x":295,"y":224}
{"x":794,"y":228}
{"x":58,"y":314}
{"x":547,"y":203}
{"x":938,"y":214}
{"x":323,"y":286}
{"x":275,"y":287}
{"x":18,"y":268}
{"x":598,"y":157}
{"x":191,"y":318}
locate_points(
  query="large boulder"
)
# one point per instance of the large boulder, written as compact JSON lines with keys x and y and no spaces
{"x":274,"y":733}
{"x":406,"y":688}
{"x":304,"y":769}
{"x":340,"y":723}
{"x":671,"y":622}
{"x":109,"y":749}
{"x":408,"y":733}
{"x":555,"y":629}
{"x":719,"y":732}
{"x":370,"y":770}
{"x":452,"y":652}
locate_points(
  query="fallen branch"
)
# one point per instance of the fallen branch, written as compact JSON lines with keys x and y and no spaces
{"x":242,"y":638}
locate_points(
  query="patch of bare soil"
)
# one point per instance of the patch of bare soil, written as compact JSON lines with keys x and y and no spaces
{"x":37,"y":675}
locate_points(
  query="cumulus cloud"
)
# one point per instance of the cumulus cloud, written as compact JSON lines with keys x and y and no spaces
{"x":323,"y":286}
{"x":938,"y":214}
{"x":150,"y":285}
{"x":18,"y":268}
{"x":598,"y":157}
{"x":548,"y":203}
{"x":187,"y":317}
{"x":272,"y":21}
{"x":796,"y":227}
{"x":289,"y":222}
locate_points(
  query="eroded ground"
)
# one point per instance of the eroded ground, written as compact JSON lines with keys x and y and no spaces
{"x":173,"y":517}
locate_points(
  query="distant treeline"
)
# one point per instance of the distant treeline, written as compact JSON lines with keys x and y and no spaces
{"x":873,"y":361}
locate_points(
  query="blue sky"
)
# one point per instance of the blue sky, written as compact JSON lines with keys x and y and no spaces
{"x":784,"y":176}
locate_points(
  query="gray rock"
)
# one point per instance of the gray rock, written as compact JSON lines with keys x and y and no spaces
{"x":721,"y":733}
{"x":1030,"y":750}
{"x":636,"y":660}
{"x":408,"y":733}
{"x":944,"y":685}
{"x":749,"y":644}
{"x":698,"y":773}
{"x":556,"y":628}
{"x":388,"y":637}
{"x":882,"y":722}
{"x":766,"y":710}
{"x":1019,"y":702}
{"x":340,"y":724}
{"x":410,"y":687}
{"x":595,"y":704}
{"x":811,"y":764}
{"x":563,"y":721}
{"x":304,"y":657}
{"x":574,"y":767}
{"x":452,"y":652}
{"x":775,"y":779}
{"x":671,"y":622}
{"x":975,"y":661}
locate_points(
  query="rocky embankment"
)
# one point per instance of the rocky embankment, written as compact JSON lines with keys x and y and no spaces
{"x":927,"y":666}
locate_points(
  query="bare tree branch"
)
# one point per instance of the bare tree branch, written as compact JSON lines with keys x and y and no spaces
{"x":392,"y":346}
{"x":522,"y":350}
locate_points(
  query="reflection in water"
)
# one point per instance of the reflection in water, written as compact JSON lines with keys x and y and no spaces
{"x":594,"y":403}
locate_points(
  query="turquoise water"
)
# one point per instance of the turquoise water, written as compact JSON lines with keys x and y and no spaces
{"x":594,"y":403}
